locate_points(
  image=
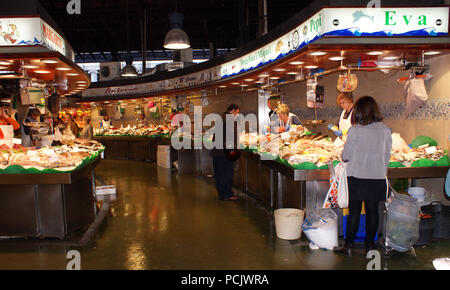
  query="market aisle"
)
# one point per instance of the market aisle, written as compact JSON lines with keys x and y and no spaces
{"x":163,"y":221}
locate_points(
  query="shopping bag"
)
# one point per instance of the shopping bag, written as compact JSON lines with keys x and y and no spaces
{"x":337,"y":195}
{"x":415,"y":93}
{"x":341,"y":172}
{"x":347,"y":83}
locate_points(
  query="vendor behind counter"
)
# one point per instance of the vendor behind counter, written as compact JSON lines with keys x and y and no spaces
{"x":7,"y":126}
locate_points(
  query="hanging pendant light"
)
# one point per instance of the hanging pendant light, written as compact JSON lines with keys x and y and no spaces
{"x":128,"y":70}
{"x":176,"y":38}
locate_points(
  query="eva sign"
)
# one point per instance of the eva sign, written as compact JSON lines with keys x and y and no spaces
{"x":386,"y":21}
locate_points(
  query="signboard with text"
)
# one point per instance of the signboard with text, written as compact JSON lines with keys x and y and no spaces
{"x":31,"y":31}
{"x":341,"y":22}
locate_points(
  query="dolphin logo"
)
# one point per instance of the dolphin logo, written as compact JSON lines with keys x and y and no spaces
{"x":357,"y":15}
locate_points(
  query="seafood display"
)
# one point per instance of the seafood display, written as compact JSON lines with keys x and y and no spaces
{"x":65,"y":157}
{"x":151,"y":130}
{"x":297,"y":148}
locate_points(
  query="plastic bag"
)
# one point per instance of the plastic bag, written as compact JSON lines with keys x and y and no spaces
{"x":337,"y":195}
{"x":401,"y":225}
{"x":415,"y":94}
{"x":399,"y":144}
{"x":347,"y":83}
{"x":321,"y":228}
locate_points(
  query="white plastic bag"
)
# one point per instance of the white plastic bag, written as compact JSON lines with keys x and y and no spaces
{"x":321,"y":228}
{"x":399,"y":144}
{"x":415,"y":94}
{"x":337,"y":195}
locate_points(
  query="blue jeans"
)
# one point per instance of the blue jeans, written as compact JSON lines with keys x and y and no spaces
{"x":223,"y":174}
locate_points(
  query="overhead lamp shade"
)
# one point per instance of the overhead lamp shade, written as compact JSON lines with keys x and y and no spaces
{"x":129,"y":71}
{"x":176,"y":39}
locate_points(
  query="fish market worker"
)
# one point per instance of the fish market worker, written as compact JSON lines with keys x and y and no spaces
{"x":106,"y":122}
{"x":286,"y":119}
{"x":345,"y":101}
{"x":7,"y":127}
{"x":141,"y":122}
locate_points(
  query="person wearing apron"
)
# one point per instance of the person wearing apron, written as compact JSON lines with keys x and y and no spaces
{"x":7,"y":127}
{"x":287,"y":119}
{"x":345,"y":101}
{"x":105,"y":123}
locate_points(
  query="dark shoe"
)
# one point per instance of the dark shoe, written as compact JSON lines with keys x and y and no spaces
{"x":346,"y":250}
{"x":369,"y":246}
{"x":232,"y":198}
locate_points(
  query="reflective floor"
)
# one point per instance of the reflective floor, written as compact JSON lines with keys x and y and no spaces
{"x":165,"y":221}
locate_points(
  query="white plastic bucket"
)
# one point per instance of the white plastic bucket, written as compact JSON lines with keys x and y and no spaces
{"x":288,"y":223}
{"x":418,"y":193}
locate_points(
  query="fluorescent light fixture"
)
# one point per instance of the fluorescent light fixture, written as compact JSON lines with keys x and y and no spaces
{"x":292,"y":73}
{"x":279,"y":69}
{"x":296,"y":62}
{"x":63,"y":68}
{"x":432,"y":52}
{"x":42,"y":71}
{"x":244,"y":85}
{"x":391,"y":57}
{"x":375,"y":53}
{"x":318,"y":53}
{"x":336,"y":58}
{"x":222,"y":86}
{"x":263,"y":76}
{"x":4,"y":62}
{"x":81,"y":82}
{"x":235,"y":83}
{"x":260,"y":81}
{"x":3,"y":67}
{"x":30,"y":66}
{"x":274,"y":78}
{"x":249,"y":80}
{"x":49,"y":61}
{"x":72,"y":74}
{"x":311,"y":66}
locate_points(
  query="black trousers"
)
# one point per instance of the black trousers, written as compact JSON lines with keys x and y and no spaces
{"x":354,"y":207}
{"x":223,"y":173}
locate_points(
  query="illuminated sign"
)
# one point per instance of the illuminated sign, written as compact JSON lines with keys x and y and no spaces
{"x":342,"y":22}
{"x":29,"y":31}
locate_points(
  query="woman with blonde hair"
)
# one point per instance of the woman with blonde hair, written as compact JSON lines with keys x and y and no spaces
{"x":287,"y":119}
{"x":345,"y":101}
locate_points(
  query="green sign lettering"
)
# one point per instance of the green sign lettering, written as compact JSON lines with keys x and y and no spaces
{"x":406,"y":19}
{"x":389,"y":17}
{"x":422,"y":20}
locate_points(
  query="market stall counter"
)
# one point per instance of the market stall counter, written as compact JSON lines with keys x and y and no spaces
{"x":280,"y":186}
{"x":47,"y":202}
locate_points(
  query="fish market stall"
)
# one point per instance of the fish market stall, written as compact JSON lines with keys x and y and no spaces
{"x":132,"y":143}
{"x":297,"y":174}
{"x":48,"y":192}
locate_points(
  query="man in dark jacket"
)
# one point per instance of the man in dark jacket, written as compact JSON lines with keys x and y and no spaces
{"x":223,"y":161}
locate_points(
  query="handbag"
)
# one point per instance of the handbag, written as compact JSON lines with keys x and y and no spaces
{"x":337,"y":195}
{"x":232,"y":154}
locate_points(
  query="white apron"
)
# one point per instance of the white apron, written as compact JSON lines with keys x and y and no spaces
{"x":8,"y":135}
{"x":106,"y":124}
{"x":345,"y":124}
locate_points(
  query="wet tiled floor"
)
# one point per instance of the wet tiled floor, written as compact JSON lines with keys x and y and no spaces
{"x":165,"y":221}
